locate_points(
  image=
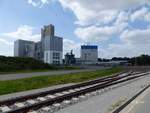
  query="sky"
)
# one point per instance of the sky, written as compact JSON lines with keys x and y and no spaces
{"x":120,"y":28}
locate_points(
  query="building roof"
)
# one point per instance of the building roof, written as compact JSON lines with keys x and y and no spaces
{"x":89,"y":47}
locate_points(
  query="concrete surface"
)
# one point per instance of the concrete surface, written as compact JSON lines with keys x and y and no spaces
{"x":140,"y":105}
{"x":104,"y":103}
{"x":49,"y":73}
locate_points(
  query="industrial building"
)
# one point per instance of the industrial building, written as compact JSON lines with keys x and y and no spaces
{"x":89,"y":54}
{"x":24,"y":48}
{"x":70,"y":58}
{"x":49,"y":49}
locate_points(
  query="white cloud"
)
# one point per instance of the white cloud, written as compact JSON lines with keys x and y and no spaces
{"x":24,"y":32}
{"x":116,"y":50}
{"x":3,"y":41}
{"x":137,"y":36}
{"x":134,"y":43}
{"x":124,"y":50}
{"x":87,"y":12}
{"x":93,"y":11}
{"x":97,"y":18}
{"x":6,"y":47}
{"x":93,"y":33}
{"x":99,"y":11}
{"x":122,"y":21}
{"x":141,"y":14}
{"x":33,"y":3}
{"x":147,"y":17}
{"x":38,"y":3}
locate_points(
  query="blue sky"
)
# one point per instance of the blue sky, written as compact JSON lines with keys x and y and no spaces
{"x":119,"y":28}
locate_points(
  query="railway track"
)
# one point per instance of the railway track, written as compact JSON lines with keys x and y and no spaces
{"x":49,"y":101}
{"x":23,"y":98}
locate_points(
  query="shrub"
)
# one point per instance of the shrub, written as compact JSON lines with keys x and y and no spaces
{"x":8,"y":64}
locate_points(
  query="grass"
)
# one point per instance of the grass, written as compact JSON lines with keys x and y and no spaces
{"x":12,"y":86}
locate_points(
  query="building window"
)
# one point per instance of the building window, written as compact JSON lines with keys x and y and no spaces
{"x":46,"y":57}
{"x":56,"y":62}
{"x":56,"y":55}
{"x":85,"y":56}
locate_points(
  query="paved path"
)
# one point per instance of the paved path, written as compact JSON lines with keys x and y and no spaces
{"x":27,"y":75}
{"x":103,"y":103}
{"x":140,"y":105}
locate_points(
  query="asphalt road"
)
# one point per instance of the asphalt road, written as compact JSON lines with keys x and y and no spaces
{"x":49,"y":73}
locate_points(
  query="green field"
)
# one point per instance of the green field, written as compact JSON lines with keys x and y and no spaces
{"x":12,"y":86}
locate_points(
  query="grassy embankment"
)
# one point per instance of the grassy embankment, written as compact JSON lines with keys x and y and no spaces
{"x":12,"y":86}
{"x":26,"y":65}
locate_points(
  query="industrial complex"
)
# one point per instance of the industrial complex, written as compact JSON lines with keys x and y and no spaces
{"x":50,"y":49}
{"x":74,"y":56}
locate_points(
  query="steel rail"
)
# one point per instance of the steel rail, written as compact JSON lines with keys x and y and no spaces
{"x":48,"y":102}
{"x":32,"y":96}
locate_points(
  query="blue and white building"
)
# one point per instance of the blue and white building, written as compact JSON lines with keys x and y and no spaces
{"x":89,"y":54}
